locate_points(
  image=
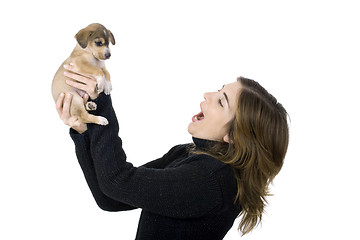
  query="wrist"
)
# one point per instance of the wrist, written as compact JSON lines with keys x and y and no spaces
{"x":80,"y":129}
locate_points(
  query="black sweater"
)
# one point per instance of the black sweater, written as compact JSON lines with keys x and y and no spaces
{"x":182,"y":195}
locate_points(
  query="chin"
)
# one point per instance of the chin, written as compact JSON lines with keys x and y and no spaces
{"x":190,"y":129}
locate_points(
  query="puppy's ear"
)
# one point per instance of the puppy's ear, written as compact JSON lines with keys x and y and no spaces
{"x":111,"y":38}
{"x":82,"y":37}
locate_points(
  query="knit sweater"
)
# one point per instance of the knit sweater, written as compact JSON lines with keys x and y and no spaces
{"x":182,"y":195}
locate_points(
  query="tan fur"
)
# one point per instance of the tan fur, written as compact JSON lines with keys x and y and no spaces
{"x":88,"y":58}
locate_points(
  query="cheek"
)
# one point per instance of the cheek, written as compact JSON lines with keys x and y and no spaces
{"x":217,"y":118}
{"x":93,"y":50}
{"x":221,"y":123}
{"x":98,"y":52}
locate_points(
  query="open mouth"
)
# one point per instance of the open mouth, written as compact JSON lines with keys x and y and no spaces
{"x":198,"y":117}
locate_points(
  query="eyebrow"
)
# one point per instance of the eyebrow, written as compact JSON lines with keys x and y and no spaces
{"x":226,"y":96}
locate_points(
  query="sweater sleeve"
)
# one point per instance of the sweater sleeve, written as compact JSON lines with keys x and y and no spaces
{"x":186,"y":191}
{"x":86,"y":163}
{"x":82,"y":149}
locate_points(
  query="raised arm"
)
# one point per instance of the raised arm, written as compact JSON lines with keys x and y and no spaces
{"x":189,"y":190}
{"x":82,"y":145}
{"x":83,"y":154}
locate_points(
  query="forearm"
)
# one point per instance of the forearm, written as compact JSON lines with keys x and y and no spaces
{"x":86,"y":163}
{"x":106,"y":147}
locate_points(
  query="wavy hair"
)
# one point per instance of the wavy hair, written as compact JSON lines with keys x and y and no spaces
{"x":258,"y":137}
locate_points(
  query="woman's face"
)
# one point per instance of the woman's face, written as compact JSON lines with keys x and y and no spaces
{"x":217,"y":111}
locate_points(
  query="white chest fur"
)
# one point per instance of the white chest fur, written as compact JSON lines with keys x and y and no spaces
{"x":102,"y":84}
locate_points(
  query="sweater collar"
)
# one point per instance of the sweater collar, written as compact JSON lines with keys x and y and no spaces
{"x":203,"y":144}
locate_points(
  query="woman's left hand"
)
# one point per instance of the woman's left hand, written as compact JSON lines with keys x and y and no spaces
{"x":84,"y":83}
{"x":63,"y":105}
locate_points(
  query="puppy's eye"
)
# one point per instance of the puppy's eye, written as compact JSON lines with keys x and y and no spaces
{"x":99,"y":44}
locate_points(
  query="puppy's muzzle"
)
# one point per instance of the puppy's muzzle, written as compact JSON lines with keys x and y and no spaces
{"x":107,"y":55}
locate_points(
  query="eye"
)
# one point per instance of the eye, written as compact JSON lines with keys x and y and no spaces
{"x":98,"y":43}
{"x":220,"y":103}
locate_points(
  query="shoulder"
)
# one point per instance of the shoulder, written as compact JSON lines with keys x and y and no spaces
{"x":180,"y":149}
{"x":207,"y":162}
{"x":203,"y":162}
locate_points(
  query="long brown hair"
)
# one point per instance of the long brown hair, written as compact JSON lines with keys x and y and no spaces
{"x":258,"y":139}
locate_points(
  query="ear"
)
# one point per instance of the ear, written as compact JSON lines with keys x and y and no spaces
{"x":112,"y":39}
{"x":227,"y":139}
{"x":82,"y":37}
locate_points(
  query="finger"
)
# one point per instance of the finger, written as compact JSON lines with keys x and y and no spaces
{"x":81,"y":93}
{"x":80,"y":78}
{"x":88,"y":84}
{"x":59,"y":103}
{"x":85,"y":97}
{"x":77,"y":85}
{"x":88,"y":88}
{"x":69,"y":66}
{"x":73,"y":69}
{"x":66,"y":106}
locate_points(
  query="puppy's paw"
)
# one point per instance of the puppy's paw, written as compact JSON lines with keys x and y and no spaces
{"x":90,"y":106}
{"x":107,"y":87}
{"x":102,"y":121}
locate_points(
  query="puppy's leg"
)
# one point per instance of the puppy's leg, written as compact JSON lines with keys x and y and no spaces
{"x":90,"y":118}
{"x":78,"y":109}
{"x":107,"y":74}
{"x":87,"y":68}
{"x":107,"y":87}
{"x":107,"y":83}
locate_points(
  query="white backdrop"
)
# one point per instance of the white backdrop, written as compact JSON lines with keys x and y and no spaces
{"x":167,"y":54}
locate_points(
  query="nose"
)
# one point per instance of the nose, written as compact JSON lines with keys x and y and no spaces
{"x":107,"y":55}
{"x":207,"y":95}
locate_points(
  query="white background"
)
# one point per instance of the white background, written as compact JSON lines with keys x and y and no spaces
{"x":167,"y":54}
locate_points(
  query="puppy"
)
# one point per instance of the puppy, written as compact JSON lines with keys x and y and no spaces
{"x":88,"y":57}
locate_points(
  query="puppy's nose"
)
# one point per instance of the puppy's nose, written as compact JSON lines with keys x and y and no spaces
{"x":107,"y":55}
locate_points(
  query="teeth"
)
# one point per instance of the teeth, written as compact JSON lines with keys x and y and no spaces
{"x":196,"y":118}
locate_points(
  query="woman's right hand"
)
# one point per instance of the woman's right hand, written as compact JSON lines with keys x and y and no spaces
{"x":63,"y":104}
{"x":84,"y":83}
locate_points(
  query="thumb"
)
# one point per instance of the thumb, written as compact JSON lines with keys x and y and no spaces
{"x":85,"y":97}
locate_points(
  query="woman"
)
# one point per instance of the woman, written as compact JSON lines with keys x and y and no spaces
{"x":195,"y":191}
